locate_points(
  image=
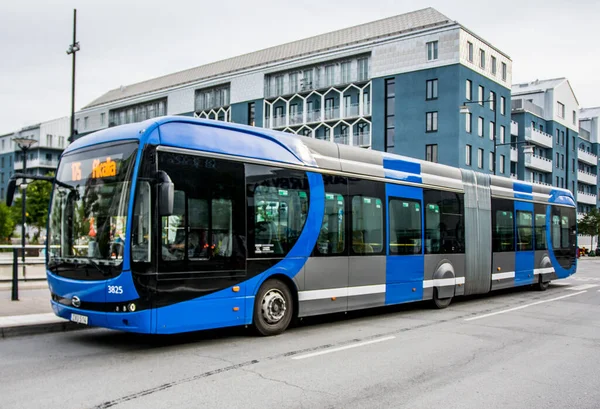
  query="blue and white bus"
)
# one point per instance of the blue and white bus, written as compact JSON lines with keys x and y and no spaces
{"x":177,"y":224}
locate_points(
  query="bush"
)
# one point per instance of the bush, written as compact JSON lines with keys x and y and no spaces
{"x":592,"y":254}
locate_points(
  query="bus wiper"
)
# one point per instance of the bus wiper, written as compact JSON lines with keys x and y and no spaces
{"x":95,"y":264}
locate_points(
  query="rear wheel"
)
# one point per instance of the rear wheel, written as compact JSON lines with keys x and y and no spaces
{"x":440,"y":303}
{"x":273,"y":308}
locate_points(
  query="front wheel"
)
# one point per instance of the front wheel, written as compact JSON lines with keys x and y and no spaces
{"x":440,"y":303}
{"x":273,"y":308}
{"x":542,"y":286}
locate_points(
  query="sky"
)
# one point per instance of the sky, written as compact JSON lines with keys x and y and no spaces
{"x":128,"y":41}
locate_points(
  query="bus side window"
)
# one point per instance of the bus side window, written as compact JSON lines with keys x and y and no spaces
{"x":503,"y":227}
{"x":540,"y":227}
{"x":367,"y":225}
{"x":173,"y":230}
{"x":405,"y":226}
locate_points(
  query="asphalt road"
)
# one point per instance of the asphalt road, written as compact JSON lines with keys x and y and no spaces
{"x":514,"y":349}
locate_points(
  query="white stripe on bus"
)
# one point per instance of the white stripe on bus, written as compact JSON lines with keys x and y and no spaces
{"x":442,"y":282}
{"x":543,"y":270}
{"x":501,"y":276}
{"x":340,"y":292}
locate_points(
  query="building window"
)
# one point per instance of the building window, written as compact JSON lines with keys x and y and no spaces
{"x":432,"y":89}
{"x":557,"y":160}
{"x":345,"y":67}
{"x":468,"y":124}
{"x":279,"y":85}
{"x":560,"y":110}
{"x":329,"y":75}
{"x":503,"y":71}
{"x":562,"y":160}
{"x":2,"y":162}
{"x":49,"y":140}
{"x":293,"y":82}
{"x":3,"y":145}
{"x":492,"y":100}
{"x":480,"y":158}
{"x":77,"y":124}
{"x":390,"y":117}
{"x":482,"y":58}
{"x":502,"y":133}
{"x":558,"y":137}
{"x":491,"y":161}
{"x":574,"y":118}
{"x":557,"y":181}
{"x":502,"y":160}
{"x":470,"y":48}
{"x":468,"y":155}
{"x":251,"y":113}
{"x":469,"y":90}
{"x":431,"y":153}
{"x":480,"y":94}
{"x":493,"y":65}
{"x":492,"y":130}
{"x":562,"y":138}
{"x":480,"y":127}
{"x":432,"y":51}
{"x":502,"y":106}
{"x":432,"y":121}
{"x":103,"y":118}
{"x":363,"y":69}
{"x":85,"y":122}
{"x":573,"y":144}
{"x":307,"y":80}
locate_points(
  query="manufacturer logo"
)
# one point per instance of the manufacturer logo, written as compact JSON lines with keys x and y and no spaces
{"x":75,"y":302}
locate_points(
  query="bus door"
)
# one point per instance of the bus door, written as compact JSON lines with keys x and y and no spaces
{"x":404,"y":262}
{"x":525,"y":254}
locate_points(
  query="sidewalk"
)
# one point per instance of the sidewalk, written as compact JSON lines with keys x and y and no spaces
{"x":32,"y":314}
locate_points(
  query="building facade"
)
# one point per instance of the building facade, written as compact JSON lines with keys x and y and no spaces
{"x":42,"y":158}
{"x":394,"y":85}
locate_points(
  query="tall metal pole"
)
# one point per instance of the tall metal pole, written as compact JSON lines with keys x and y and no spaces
{"x":73,"y":48}
{"x":23,"y":190}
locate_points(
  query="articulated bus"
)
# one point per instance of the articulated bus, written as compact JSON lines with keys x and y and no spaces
{"x":179,"y":224}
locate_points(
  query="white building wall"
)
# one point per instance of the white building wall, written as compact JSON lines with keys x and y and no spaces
{"x":563,"y":94}
{"x":465,"y":38}
{"x":410,"y":54}
{"x":180,"y":101}
{"x":247,"y":87}
{"x":58,"y":129}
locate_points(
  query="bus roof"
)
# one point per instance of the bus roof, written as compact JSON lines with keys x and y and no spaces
{"x":264,"y":144}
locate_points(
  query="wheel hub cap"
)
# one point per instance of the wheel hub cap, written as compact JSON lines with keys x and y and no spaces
{"x":273,"y":306}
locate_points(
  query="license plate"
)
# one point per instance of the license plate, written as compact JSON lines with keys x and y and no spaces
{"x":80,"y":319}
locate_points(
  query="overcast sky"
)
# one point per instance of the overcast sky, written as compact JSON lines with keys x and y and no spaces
{"x":126,"y":41}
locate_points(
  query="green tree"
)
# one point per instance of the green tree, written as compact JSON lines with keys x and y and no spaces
{"x":590,"y":224}
{"x":7,"y":222}
{"x":36,"y":206}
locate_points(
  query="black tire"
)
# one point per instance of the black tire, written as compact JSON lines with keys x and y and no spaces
{"x":273,"y":308}
{"x":542,"y":285}
{"x":440,"y":303}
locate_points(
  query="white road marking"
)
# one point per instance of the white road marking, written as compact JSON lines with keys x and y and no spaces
{"x":560,"y":284}
{"x":582,"y":287}
{"x":328,"y":351}
{"x":524,"y":306}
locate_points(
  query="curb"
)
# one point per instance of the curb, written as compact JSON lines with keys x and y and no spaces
{"x":35,"y":329}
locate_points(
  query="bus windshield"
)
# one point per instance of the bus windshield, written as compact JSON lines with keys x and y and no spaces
{"x":88,"y":213}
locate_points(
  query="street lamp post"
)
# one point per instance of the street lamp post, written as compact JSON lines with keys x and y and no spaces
{"x":24,"y":144}
{"x":73,"y":48}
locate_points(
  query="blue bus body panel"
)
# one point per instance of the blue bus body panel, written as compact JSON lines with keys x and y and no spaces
{"x":524,"y":259}
{"x":564,"y":198}
{"x":217,"y":309}
{"x":404,"y":273}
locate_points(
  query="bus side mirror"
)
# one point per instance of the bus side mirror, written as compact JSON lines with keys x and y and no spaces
{"x":166,"y":194}
{"x":10,"y":191}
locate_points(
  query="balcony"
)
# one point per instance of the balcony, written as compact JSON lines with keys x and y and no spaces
{"x":296,"y":118}
{"x":514,"y":128}
{"x":537,"y":182}
{"x":538,"y":137}
{"x":586,"y":177}
{"x":538,"y":163}
{"x":587,"y":157}
{"x":514,"y":154}
{"x":341,"y":138}
{"x":586,"y":198}
{"x":351,"y":110}
{"x":332,"y":113}
{"x":362,"y":139}
{"x":313,"y":115}
{"x":37,"y":163}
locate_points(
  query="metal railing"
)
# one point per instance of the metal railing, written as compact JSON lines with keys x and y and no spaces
{"x":17,"y":251}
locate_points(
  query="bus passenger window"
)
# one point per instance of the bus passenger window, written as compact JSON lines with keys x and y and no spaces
{"x":540,"y":231}
{"x":405,"y":226}
{"x":332,"y":237}
{"x":524,"y":231}
{"x":278,"y":202}
{"x":444,"y":222}
{"x":503,"y":236}
{"x":564,"y":227}
{"x":367,"y":225}
{"x":141,"y":233}
{"x":173,"y":230}
{"x":555,"y":232}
